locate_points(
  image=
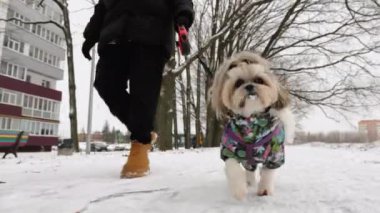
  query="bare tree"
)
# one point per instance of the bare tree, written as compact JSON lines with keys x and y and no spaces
{"x":324,"y":50}
{"x":182,"y":66}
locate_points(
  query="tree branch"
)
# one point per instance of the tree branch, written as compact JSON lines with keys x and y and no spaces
{"x":35,"y":22}
{"x":279,"y":29}
{"x":221,"y":32}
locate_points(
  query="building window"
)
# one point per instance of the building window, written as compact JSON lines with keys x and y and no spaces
{"x":21,"y":73}
{"x":20,"y":19}
{"x":56,"y":39}
{"x":27,"y":26}
{"x":39,"y":30}
{"x":12,"y":70}
{"x":28,"y":78}
{"x":10,"y":13}
{"x":14,"y":44}
{"x":26,"y":100}
{"x":22,"y":46}
{"x":58,"y":62}
{"x":52,"y":37}
{"x":38,"y":128}
{"x":50,"y":61}
{"x":35,"y":55}
{"x":31,"y":51}
{"x":9,"y":123}
{"x":54,"y":61}
{"x":15,"y":124}
{"x":45,"y":57}
{"x":40,"y":101}
{"x":35,"y":28}
{"x":42,"y":56}
{"x":5,"y":123}
{"x":43,"y":34}
{"x":45,"y":83}
{"x":48,"y":35}
{"x":3,"y":67}
{"x":40,"y":107}
{"x":8,"y":97}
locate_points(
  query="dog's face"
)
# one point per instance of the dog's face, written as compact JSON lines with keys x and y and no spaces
{"x":245,"y":85}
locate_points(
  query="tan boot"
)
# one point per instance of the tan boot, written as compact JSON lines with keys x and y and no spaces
{"x":137,"y":164}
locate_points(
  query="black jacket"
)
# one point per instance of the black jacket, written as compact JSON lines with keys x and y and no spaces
{"x":150,"y":22}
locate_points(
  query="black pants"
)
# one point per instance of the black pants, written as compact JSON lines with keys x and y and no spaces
{"x":142,"y":67}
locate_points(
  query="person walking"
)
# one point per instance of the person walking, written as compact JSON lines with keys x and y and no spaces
{"x":135,"y":40}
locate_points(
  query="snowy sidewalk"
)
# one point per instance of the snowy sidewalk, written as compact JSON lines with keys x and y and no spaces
{"x":316,"y":178}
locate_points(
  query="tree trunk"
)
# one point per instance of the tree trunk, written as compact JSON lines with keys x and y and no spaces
{"x":211,"y":119}
{"x":188,"y":110}
{"x":214,"y":128}
{"x":71,"y":74}
{"x":184,"y":109}
{"x":175,"y":117}
{"x":165,"y":112}
{"x":198,"y":130}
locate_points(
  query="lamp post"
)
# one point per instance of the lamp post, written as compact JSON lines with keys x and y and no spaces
{"x":90,"y":102}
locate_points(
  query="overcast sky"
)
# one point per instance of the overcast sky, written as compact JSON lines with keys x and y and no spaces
{"x":81,"y":12}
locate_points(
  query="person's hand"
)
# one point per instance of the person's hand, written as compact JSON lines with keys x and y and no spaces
{"x":183,"y":20}
{"x":86,"y":47}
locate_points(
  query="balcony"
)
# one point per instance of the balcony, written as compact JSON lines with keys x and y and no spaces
{"x":28,"y":88}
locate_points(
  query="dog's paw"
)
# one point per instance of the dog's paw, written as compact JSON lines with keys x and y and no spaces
{"x":264,"y":192}
{"x":237,"y":180}
{"x":266,"y":184}
{"x":240,"y":192}
{"x":265,"y":188}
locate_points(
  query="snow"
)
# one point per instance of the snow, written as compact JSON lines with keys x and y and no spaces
{"x":317,"y":177}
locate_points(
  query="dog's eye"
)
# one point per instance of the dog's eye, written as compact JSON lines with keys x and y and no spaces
{"x":247,"y":61}
{"x":258,"y":81}
{"x":239,"y":82}
{"x":250,"y":61}
{"x":232,"y":66}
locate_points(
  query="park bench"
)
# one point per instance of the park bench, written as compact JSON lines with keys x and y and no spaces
{"x":11,"y":140}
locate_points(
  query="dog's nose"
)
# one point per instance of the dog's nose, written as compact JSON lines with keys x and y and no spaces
{"x":250,"y":88}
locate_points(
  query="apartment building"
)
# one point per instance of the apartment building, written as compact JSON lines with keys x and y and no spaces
{"x":31,"y":62}
{"x":369,"y":130}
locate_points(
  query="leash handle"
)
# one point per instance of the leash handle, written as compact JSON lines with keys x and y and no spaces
{"x":183,"y":41}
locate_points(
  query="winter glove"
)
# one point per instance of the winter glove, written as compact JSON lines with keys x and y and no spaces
{"x":86,"y":47}
{"x":182,"y":20}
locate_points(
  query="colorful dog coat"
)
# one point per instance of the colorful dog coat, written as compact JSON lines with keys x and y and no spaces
{"x":254,"y":140}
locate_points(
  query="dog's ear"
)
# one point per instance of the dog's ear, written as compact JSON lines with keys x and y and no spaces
{"x":215,"y":91}
{"x":283,"y":99}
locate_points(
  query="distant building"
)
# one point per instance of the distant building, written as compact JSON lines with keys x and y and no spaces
{"x":96,"y":136}
{"x":31,"y":61}
{"x":369,"y":130}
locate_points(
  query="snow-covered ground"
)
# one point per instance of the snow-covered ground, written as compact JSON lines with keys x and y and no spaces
{"x":316,"y":178}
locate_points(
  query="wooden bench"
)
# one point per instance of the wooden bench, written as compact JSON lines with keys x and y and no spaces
{"x":11,"y":140}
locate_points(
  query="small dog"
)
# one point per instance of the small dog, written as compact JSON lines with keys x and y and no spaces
{"x":260,"y":122}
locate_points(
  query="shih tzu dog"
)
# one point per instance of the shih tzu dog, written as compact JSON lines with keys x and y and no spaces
{"x":259,"y":122}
